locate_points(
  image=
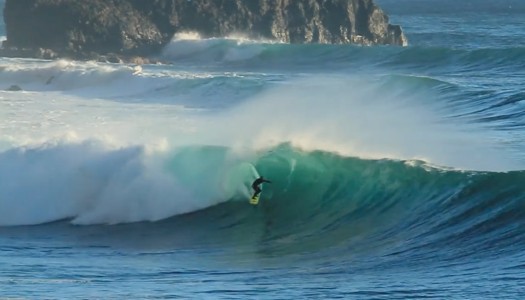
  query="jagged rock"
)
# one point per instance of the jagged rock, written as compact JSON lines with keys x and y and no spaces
{"x":79,"y":29}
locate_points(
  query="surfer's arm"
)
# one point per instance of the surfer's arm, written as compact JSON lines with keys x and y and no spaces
{"x":267,"y":181}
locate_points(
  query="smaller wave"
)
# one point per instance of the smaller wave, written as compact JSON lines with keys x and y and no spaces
{"x":239,"y":52}
{"x":190,"y":46}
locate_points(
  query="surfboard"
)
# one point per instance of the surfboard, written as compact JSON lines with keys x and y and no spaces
{"x":255,"y":200}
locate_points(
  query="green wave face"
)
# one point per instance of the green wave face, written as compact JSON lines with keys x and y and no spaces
{"x":321,"y":201}
{"x":321,"y":193}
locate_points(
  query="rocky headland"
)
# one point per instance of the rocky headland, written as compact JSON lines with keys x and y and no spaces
{"x":136,"y":30}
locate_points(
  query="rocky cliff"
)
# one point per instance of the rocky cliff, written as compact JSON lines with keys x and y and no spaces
{"x":125,"y":28}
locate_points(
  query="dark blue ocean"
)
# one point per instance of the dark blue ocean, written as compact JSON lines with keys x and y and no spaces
{"x":397,"y":172}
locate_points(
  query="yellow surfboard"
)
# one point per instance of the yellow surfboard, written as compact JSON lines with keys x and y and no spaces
{"x":255,"y":200}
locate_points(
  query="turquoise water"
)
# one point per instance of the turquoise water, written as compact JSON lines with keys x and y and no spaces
{"x":396,"y":172}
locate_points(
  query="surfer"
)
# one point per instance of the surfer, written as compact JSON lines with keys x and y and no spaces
{"x":256,"y":184}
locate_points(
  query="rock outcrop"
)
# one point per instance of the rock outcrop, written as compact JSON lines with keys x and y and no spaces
{"x":83,"y":29}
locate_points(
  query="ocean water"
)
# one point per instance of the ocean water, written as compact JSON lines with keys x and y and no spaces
{"x":397,"y":173}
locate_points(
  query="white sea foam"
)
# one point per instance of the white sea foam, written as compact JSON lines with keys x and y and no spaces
{"x":93,"y":184}
{"x":63,"y":75}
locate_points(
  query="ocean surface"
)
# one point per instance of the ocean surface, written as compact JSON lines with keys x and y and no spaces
{"x":397,"y":172}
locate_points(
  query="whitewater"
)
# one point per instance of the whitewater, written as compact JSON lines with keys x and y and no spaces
{"x":397,"y":172}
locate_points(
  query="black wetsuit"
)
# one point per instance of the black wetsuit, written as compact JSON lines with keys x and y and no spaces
{"x":255,"y":186}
